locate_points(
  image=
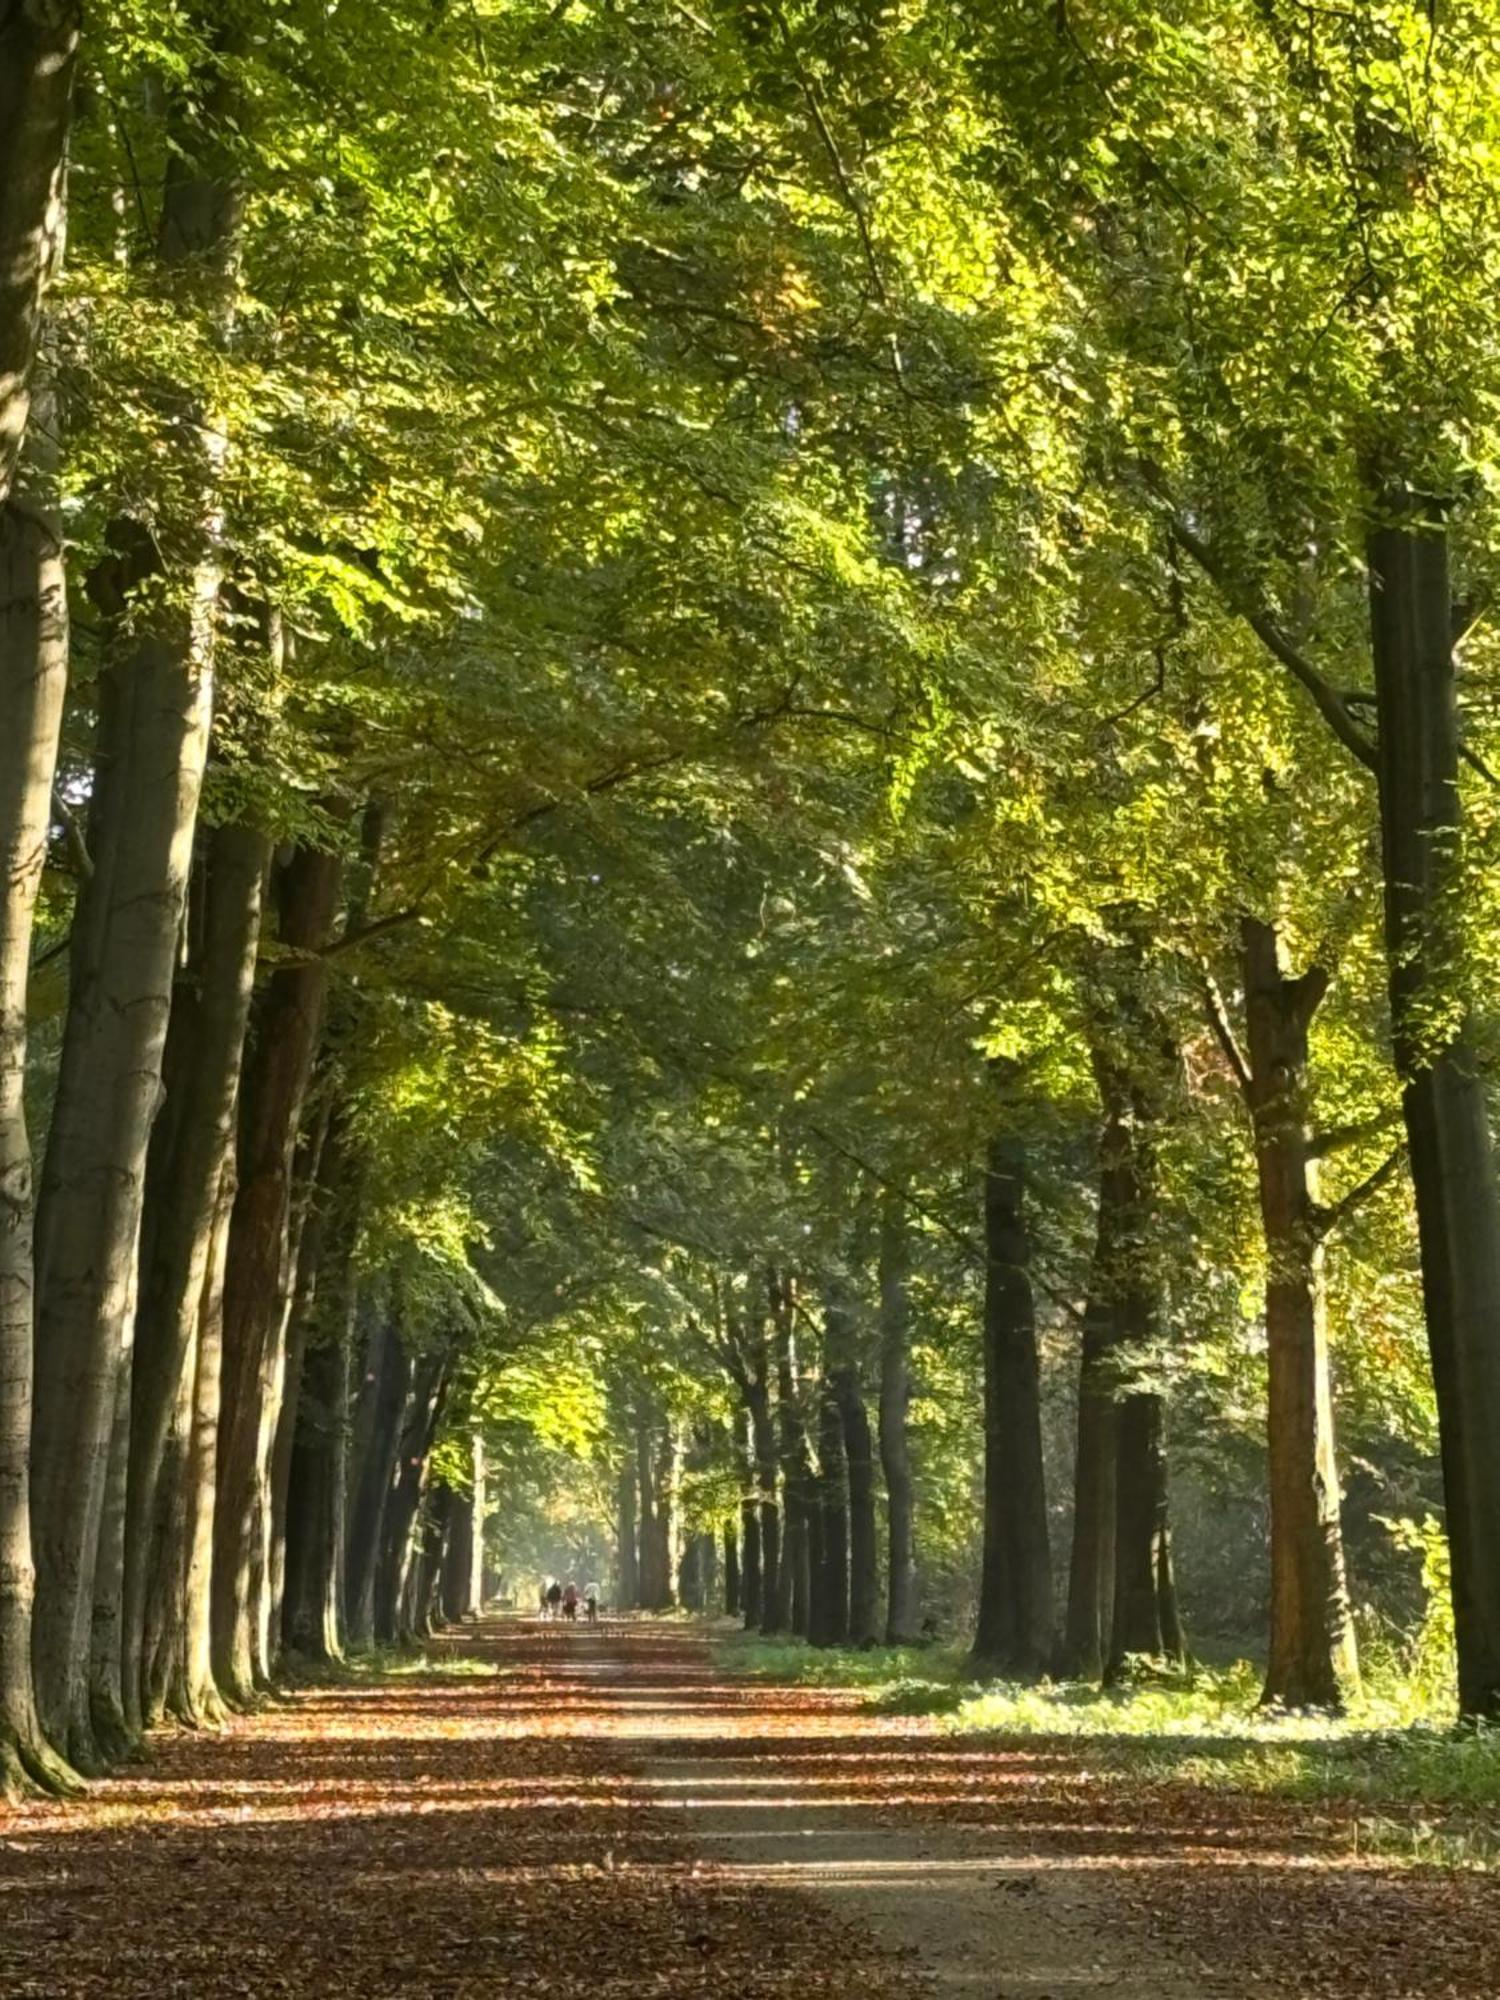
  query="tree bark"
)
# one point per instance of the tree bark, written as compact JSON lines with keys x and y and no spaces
{"x":152,"y":736}
{"x":793,"y":1577}
{"x":763,"y":1441}
{"x":859,"y":1476}
{"x":1313,"y":1661}
{"x":1015,"y":1600}
{"x":627,"y":1553}
{"x":38,"y":49}
{"x":903,"y":1609}
{"x":731,"y":1570}
{"x":750,"y":1577}
{"x":377,"y":1442}
{"x":829,"y":1612}
{"x":419,"y":1429}
{"x":191,"y":1148}
{"x":1448,"y":1135}
{"x":1091,"y":1568}
{"x":285,"y":1025}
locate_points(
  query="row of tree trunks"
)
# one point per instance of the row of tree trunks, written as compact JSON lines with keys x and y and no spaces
{"x":286,"y":1024}
{"x":38,"y":50}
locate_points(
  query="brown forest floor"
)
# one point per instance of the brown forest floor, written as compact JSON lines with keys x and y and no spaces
{"x":604,"y":1815}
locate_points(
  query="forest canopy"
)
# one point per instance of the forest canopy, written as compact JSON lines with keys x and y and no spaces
{"x":749,"y":771}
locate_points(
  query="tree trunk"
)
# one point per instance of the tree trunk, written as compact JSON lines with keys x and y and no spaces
{"x":731,"y":1570}
{"x":190,"y":1151}
{"x":1015,"y":1600}
{"x":859,"y":1479}
{"x":377,"y":1443}
{"x":1146,"y":1621}
{"x":627,"y":1553}
{"x":763,"y":1440}
{"x":419,"y":1429}
{"x":152,"y":735}
{"x":1443,"y":1096}
{"x":1091,"y":1568}
{"x":903,"y":1610}
{"x":793,"y":1584}
{"x":750,"y":1580}
{"x":37,"y":54}
{"x":1313,"y":1662}
{"x":829,"y":1612}
{"x":664,"y":1520}
{"x":285,"y":1025}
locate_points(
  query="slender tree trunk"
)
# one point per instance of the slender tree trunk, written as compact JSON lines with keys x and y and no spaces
{"x":419,"y":1429}
{"x":285,"y":1025}
{"x":763,"y":1439}
{"x":113,"y":1736}
{"x":903,"y":1610}
{"x":664,"y":1516}
{"x":1015,"y":1601}
{"x":38,"y":47}
{"x":1448,"y":1134}
{"x":382,"y":1401}
{"x":829,"y":1620}
{"x":191,"y":1147}
{"x":750,"y":1576}
{"x":731,"y":1570}
{"x":859,"y":1475}
{"x":627,"y":1553}
{"x":1313,"y":1662}
{"x":193,"y":1694}
{"x":793,"y":1584}
{"x":1091,"y":1568}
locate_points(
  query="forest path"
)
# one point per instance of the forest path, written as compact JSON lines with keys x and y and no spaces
{"x":571,"y":1812}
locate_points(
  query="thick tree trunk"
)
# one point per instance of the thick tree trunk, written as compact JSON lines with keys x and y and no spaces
{"x":152,"y":735}
{"x":377,"y":1441}
{"x":1313,"y":1662}
{"x":191,"y":1148}
{"x":285,"y":1025}
{"x":627,"y":1551}
{"x":37,"y":52}
{"x":1091,"y":1567}
{"x":1146,"y":1620}
{"x":903,"y":1610}
{"x":1015,"y":1599}
{"x":664,"y":1519}
{"x":1450,"y":1145}
{"x":113,"y":1736}
{"x":648,"y":1579}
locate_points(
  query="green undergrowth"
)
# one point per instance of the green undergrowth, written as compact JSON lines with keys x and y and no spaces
{"x":376,"y":1664}
{"x":1393,"y":1770}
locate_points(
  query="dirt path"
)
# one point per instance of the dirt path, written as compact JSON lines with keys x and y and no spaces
{"x":571,"y":1813}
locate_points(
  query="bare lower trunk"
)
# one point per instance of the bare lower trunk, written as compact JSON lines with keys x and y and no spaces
{"x":33,"y":673}
{"x":1312,"y":1661}
{"x":627,"y":1555}
{"x":793,"y":1575}
{"x":1146,"y":1621}
{"x":1449,"y":1141}
{"x":859,"y":1463}
{"x":1091,"y":1569}
{"x":731,"y":1571}
{"x":193,"y":1695}
{"x":1015,"y":1601}
{"x":903,"y":1611}
{"x":152,"y":735}
{"x":763,"y":1441}
{"x":285,"y":1025}
{"x":424,"y":1413}
{"x":190,"y":1153}
{"x":828,"y":1623}
{"x":750,"y":1591}
{"x":382,"y":1399}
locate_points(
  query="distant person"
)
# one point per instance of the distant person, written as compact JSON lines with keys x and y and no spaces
{"x":543,"y":1610}
{"x":591,"y":1603}
{"x":554,"y":1598}
{"x":570,"y":1601}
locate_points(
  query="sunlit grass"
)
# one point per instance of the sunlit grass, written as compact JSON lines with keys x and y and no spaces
{"x":1410,"y":1784}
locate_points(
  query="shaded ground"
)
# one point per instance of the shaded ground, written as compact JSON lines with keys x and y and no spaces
{"x":600,"y":1813}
